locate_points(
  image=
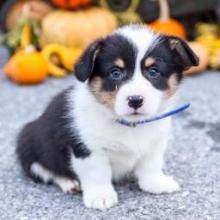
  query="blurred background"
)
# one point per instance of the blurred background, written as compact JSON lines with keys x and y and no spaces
{"x":49,"y":36}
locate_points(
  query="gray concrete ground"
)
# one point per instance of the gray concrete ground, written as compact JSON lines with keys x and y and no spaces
{"x":194,"y":160}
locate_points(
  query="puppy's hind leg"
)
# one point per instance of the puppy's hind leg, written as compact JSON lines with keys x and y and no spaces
{"x":66,"y":184}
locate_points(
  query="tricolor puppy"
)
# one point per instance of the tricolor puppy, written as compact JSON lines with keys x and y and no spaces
{"x":77,"y":143}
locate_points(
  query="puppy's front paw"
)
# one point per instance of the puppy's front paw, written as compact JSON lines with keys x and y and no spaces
{"x":159,"y":184}
{"x":100,"y":199}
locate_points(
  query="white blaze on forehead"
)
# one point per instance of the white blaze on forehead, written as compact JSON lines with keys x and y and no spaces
{"x":141,"y":37}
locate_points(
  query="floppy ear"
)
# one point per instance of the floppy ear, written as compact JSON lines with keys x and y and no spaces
{"x":185,"y":56}
{"x":85,"y":65}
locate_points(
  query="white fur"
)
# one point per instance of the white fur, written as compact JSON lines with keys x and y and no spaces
{"x":67,"y":185}
{"x":143,"y":38}
{"x":95,"y":176}
{"x":117,"y":150}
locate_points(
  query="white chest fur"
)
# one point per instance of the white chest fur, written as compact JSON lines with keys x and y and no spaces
{"x":123,"y":145}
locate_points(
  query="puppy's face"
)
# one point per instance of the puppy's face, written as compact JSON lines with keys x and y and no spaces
{"x":133,"y":72}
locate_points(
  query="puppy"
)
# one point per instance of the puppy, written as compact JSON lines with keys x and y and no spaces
{"x":77,"y":142}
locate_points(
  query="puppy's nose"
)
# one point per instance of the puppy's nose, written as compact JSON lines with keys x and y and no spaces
{"x":135,"y":101}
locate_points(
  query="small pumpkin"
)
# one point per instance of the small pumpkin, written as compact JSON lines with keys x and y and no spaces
{"x":202,"y":52}
{"x":26,"y":67}
{"x":166,"y":25}
{"x":71,"y":4}
{"x":77,"y":29}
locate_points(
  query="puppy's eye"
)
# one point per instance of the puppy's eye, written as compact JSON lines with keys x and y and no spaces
{"x":153,"y":73}
{"x":116,"y":74}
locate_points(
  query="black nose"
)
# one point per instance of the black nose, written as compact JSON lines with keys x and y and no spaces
{"x":135,"y":101}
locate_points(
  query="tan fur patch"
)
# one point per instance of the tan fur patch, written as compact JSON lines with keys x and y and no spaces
{"x":172,"y":86}
{"x":120,"y":63}
{"x":149,"y":61}
{"x":105,"y":98}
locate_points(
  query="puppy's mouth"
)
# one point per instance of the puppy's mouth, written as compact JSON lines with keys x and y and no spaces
{"x":135,"y":113}
{"x":135,"y":116}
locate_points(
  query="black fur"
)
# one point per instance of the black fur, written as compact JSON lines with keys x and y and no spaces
{"x":114,"y":47}
{"x":49,"y":141}
{"x":172,"y":56}
{"x":100,"y":57}
{"x":85,"y":65}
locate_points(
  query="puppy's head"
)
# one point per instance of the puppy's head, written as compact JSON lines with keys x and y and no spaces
{"x":134,"y":71}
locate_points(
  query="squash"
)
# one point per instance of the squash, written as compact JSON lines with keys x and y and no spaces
{"x":58,"y":55}
{"x":71,"y":4}
{"x":26,"y":36}
{"x":77,"y":29}
{"x":33,"y":9}
{"x":166,"y":25}
{"x":202,"y":52}
{"x":26,"y":32}
{"x":26,"y":67}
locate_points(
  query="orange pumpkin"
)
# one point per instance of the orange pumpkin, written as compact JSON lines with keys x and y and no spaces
{"x":71,"y":4}
{"x":166,"y":25}
{"x":26,"y":67}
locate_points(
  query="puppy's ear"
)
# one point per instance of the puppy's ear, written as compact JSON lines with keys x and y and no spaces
{"x":85,"y":65}
{"x":183,"y":53}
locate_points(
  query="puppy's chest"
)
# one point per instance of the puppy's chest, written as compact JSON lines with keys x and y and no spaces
{"x":126,"y":149}
{"x":126,"y":141}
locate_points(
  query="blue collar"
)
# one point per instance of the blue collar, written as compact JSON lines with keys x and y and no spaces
{"x":156,"y":118}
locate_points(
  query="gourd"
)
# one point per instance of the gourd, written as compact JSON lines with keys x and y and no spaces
{"x":166,"y":25}
{"x":26,"y":32}
{"x":77,"y":29}
{"x":60,"y":59}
